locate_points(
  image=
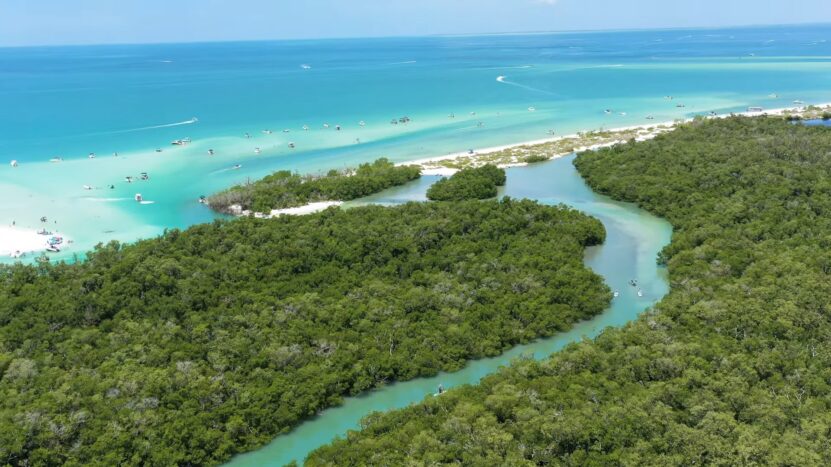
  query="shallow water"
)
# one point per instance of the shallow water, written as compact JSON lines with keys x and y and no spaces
{"x":633,"y":241}
{"x":132,"y":99}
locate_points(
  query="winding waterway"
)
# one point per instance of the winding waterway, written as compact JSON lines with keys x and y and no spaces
{"x":634,"y":238}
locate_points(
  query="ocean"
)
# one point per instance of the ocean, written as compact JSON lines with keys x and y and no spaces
{"x":460,"y":92}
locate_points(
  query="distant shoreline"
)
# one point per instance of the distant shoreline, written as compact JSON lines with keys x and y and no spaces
{"x":431,"y":166}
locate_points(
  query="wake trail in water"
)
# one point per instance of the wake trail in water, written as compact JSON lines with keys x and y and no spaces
{"x":504,"y":80}
{"x":192,"y":121}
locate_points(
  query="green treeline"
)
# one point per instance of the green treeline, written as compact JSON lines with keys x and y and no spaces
{"x":285,"y":189}
{"x":732,"y":368}
{"x":188,"y":348}
{"x":470,"y":183}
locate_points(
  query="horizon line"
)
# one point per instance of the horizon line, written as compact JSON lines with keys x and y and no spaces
{"x":414,"y":36}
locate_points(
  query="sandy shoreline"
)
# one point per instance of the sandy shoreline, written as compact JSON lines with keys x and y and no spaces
{"x":431,"y":166}
{"x":16,"y":241}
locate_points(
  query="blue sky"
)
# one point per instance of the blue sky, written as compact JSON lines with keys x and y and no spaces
{"x":38,"y":22}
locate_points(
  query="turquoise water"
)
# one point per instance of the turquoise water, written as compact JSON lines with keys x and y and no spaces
{"x":633,"y":241}
{"x":72,"y":101}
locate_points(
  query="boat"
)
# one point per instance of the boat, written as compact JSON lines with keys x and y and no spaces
{"x":713,"y":114}
{"x":181,"y":142}
{"x":44,"y":232}
{"x":56,"y":159}
{"x":210,"y":152}
{"x":650,"y":117}
{"x":55,"y":241}
{"x":337,"y":127}
{"x":91,"y":155}
{"x":680,"y":106}
{"x":755,"y":109}
{"x":532,"y":109}
{"x":305,"y":127}
{"x":393,"y":122}
{"x":238,"y":166}
{"x":267,"y":132}
{"x":87,"y":187}
{"x":452,"y":115}
{"x":617,"y":294}
{"x":471,"y":151}
{"x":305,"y":67}
{"x":16,"y":254}
{"x":138,"y":197}
{"x":798,"y":102}
{"x":773,"y":96}
{"x":203,"y":200}
{"x":128,"y":179}
{"x":158,"y":149}
{"x":286,"y":130}
{"x":362,"y":123}
{"x":13,"y":163}
{"x":256,"y":150}
{"x":144,"y":176}
{"x":640,"y":293}
{"x":291,"y":145}
{"x":325,"y":125}
{"x":53,"y":249}
{"x":115,"y":154}
{"x":247,"y":136}
{"x":623,"y":114}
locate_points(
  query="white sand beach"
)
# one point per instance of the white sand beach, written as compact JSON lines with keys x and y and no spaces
{"x":646,"y":131}
{"x":310,"y":208}
{"x":15,"y":241}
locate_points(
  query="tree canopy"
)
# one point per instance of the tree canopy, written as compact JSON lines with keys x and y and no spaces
{"x":188,"y":348}
{"x":470,"y":183}
{"x":285,"y":189}
{"x":733,"y":367}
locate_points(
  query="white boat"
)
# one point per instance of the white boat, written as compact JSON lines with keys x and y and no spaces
{"x":87,"y":187}
{"x":291,"y":146}
{"x":13,"y":163}
{"x":256,"y":150}
{"x":267,"y":132}
{"x":237,"y":167}
{"x":91,"y":155}
{"x":617,"y":294}
{"x":608,"y":111}
{"x":755,"y":109}
{"x":325,"y":125}
{"x":532,"y":109}
{"x":138,"y":197}
{"x":286,"y":131}
{"x":305,"y":67}
{"x":305,"y":127}
{"x":650,"y":117}
{"x":798,"y":102}
{"x":56,"y":159}
{"x":680,"y":106}
{"x":623,"y":114}
{"x":640,"y":293}
{"x":180,"y":142}
{"x":362,"y":123}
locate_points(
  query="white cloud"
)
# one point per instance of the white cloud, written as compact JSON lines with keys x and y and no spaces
{"x":547,"y":2}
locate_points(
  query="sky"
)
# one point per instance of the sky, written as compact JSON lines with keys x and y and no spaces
{"x":63,"y":22}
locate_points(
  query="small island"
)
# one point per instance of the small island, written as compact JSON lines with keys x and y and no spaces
{"x":469,"y":183}
{"x":281,"y":191}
